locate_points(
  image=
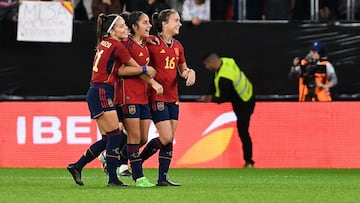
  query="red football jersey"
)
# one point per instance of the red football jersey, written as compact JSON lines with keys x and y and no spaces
{"x":133,"y":90}
{"x":110,"y":55}
{"x":165,"y":59}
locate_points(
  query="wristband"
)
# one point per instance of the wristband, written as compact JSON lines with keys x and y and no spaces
{"x":187,"y":69}
{"x":144,"y":69}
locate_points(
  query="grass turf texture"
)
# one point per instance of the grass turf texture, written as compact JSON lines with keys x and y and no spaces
{"x":198,"y":185}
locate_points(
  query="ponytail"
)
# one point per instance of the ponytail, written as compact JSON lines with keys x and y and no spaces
{"x":104,"y":25}
{"x":100,"y":20}
{"x":155,"y":21}
{"x":159,"y":18}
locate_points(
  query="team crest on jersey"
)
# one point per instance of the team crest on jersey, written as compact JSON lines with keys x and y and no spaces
{"x":110,"y":102}
{"x":162,"y":51}
{"x":132,"y":109}
{"x":160,"y":106}
{"x":141,"y":54}
{"x":176,"y":51}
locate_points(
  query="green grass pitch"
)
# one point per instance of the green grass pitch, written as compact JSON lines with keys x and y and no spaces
{"x":198,"y":185}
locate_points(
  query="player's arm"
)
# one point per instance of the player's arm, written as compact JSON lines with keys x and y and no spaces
{"x":225,"y":95}
{"x":187,"y":73}
{"x":146,"y":73}
{"x":153,"y":83}
{"x":132,"y":68}
{"x":152,"y":40}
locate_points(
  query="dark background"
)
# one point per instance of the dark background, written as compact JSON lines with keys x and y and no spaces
{"x":33,"y":70}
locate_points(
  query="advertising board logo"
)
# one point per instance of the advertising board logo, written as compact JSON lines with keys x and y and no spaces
{"x":214,"y":141}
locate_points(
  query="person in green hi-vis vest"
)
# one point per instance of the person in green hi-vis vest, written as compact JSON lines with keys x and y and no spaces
{"x":232,"y":85}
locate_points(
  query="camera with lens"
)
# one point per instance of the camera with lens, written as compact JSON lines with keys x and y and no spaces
{"x":308,"y":73}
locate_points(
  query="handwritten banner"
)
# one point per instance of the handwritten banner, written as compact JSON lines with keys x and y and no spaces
{"x":45,"y":21}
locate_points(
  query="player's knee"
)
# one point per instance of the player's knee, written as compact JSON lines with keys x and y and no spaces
{"x":166,"y":139}
{"x":166,"y":151}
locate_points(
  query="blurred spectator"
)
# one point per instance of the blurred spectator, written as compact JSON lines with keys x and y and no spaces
{"x":219,"y":10}
{"x":238,"y":10}
{"x":134,"y":5}
{"x":146,"y":6}
{"x":342,"y":9}
{"x":105,"y":6}
{"x":196,"y":11}
{"x":9,"y":10}
{"x":301,"y":10}
{"x":328,"y":10}
{"x":254,"y":9}
{"x":87,"y":5}
{"x":156,"y":6}
{"x":277,"y":10}
{"x":175,"y":4}
{"x":80,"y":12}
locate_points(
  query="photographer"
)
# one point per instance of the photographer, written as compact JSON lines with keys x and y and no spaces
{"x":316,"y":74}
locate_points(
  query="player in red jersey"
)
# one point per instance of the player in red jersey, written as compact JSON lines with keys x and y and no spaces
{"x":132,"y":97}
{"x":168,"y":59}
{"x":111,"y":59}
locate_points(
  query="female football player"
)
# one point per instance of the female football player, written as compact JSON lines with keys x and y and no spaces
{"x":168,"y":58}
{"x":111,"y":59}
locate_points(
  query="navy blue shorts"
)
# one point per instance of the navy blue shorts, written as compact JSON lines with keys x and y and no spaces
{"x":100,"y":99}
{"x":162,"y":111}
{"x":141,"y":111}
{"x":119,"y":113}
